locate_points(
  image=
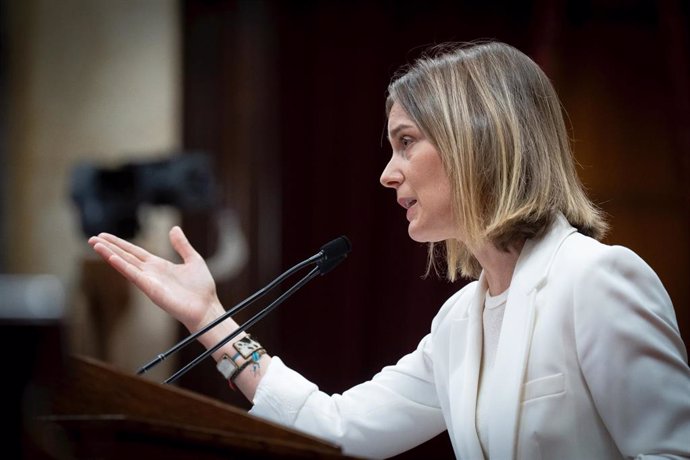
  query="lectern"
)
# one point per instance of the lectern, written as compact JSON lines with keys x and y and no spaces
{"x":98,"y":412}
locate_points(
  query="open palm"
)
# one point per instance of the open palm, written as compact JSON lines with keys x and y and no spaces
{"x":185,"y":290}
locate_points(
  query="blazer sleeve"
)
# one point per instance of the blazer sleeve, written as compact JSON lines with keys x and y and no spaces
{"x":632,"y":356}
{"x":393,"y":412}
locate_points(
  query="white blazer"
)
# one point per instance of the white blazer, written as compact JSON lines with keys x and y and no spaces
{"x":589,"y":365}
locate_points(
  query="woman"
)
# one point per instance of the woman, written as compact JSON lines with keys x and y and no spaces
{"x":563,"y":348}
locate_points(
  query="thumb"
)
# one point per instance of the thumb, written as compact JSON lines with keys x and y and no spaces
{"x":181,"y":244}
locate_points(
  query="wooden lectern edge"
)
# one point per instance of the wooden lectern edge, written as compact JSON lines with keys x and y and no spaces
{"x":119,"y":423}
{"x":191,"y":403}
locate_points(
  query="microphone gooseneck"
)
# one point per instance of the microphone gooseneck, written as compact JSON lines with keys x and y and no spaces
{"x":329,"y":256}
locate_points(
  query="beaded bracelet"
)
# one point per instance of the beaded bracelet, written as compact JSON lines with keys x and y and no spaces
{"x":250,"y":350}
{"x":254,"y":362}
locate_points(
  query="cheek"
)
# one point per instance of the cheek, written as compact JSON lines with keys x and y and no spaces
{"x":445,"y":203}
{"x":443,"y":191}
{"x":441,"y":182}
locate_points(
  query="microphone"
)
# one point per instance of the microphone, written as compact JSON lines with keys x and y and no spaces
{"x":328,"y":257}
{"x":333,"y":253}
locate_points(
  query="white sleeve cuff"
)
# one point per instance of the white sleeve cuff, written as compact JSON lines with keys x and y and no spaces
{"x":281,"y":394}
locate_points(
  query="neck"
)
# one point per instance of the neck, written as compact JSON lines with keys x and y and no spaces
{"x":498,"y":265}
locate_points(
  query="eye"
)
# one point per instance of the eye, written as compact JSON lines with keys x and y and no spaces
{"x":405,"y":141}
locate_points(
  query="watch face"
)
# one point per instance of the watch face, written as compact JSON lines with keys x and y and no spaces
{"x":246,"y":347}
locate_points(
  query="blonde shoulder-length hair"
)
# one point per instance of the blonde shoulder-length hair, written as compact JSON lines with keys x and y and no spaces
{"x":497,"y":123}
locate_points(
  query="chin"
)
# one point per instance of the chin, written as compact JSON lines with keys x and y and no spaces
{"x":417,"y":239}
{"x":433,"y":235}
{"x":421,"y":237}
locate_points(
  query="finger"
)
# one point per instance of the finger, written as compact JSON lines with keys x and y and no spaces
{"x":181,"y":244}
{"x":133,"y":274}
{"x":101,"y":249}
{"x":113,"y":249}
{"x":126,"y":246}
{"x":127,"y":270}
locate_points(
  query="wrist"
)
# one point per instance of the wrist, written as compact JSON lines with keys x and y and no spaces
{"x":212,"y":312}
{"x":217,"y":333}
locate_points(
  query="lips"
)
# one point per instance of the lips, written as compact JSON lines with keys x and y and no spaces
{"x":406,"y":203}
{"x":409,"y":204}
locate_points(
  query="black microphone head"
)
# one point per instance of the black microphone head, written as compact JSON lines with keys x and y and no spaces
{"x":333,"y":253}
{"x":339,"y":247}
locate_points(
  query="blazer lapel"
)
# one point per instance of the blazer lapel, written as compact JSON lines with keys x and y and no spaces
{"x":467,"y":377}
{"x":516,"y":334}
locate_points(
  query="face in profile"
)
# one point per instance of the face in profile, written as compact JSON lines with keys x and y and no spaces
{"x":417,"y":174}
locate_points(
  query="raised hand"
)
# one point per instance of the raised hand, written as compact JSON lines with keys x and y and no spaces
{"x":185,"y":290}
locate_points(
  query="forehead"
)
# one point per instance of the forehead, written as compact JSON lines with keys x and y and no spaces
{"x":398,"y":119}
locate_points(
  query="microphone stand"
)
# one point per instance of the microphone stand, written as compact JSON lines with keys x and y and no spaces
{"x":241,"y":306}
{"x":311,"y":275}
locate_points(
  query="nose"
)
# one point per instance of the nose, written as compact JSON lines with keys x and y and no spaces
{"x":391,"y":176}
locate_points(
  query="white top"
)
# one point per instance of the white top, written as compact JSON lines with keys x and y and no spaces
{"x":492,"y":319}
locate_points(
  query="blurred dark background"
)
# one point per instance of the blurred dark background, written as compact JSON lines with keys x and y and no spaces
{"x":288,"y":99}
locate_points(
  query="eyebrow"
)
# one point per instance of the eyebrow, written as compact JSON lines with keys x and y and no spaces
{"x":397,"y":129}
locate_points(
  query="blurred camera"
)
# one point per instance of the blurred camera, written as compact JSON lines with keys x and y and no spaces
{"x":108,"y":199}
